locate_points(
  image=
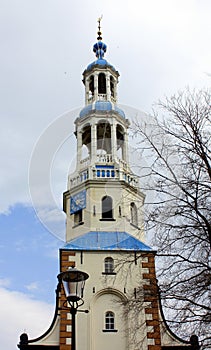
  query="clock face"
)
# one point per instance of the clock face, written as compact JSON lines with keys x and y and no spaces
{"x":77,"y":202}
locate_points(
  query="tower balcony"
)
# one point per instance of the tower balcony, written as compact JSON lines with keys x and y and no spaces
{"x":104,"y":169}
{"x":101,"y":158}
{"x":102,"y":97}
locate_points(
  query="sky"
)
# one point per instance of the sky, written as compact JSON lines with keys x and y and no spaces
{"x":158,"y":47}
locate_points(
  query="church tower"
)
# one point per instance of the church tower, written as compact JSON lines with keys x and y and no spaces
{"x":105,"y":233}
{"x":103,"y":194}
{"x":104,"y":206}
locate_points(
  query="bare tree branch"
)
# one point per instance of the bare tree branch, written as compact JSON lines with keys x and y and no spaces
{"x":177,"y":148}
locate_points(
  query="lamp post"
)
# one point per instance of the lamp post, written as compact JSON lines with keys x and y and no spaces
{"x":73,"y":282}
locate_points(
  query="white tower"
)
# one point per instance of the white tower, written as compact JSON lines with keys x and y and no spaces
{"x":103,"y":194}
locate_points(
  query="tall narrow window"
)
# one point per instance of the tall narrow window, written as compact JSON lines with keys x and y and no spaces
{"x":78,"y":218}
{"x":120,"y":142}
{"x":107,"y":210}
{"x":102,"y":83}
{"x":109,"y":265}
{"x":109,"y":320}
{"x":91,"y":86}
{"x":103,"y":139}
{"x":134,"y":214}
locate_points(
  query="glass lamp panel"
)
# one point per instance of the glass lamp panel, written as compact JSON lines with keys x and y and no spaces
{"x":73,"y":290}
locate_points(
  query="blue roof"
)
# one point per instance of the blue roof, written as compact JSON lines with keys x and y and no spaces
{"x":101,"y":106}
{"x":102,"y":240}
{"x":100,"y":62}
{"x":85,"y":111}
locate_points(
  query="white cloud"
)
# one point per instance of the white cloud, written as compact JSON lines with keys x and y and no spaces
{"x":21,"y":314}
{"x":4,"y":282}
{"x":32,"y":286}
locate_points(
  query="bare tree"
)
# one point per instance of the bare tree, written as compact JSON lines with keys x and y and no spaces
{"x":177,"y":147}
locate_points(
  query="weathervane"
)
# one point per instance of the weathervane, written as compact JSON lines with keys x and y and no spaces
{"x":99,"y":28}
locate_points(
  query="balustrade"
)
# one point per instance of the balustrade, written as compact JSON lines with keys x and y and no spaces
{"x":103,"y":173}
{"x":104,"y":158}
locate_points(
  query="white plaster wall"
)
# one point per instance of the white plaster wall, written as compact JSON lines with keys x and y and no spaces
{"x":101,"y":340}
{"x":51,"y":338}
{"x":122,"y":196}
{"x":103,"y":293}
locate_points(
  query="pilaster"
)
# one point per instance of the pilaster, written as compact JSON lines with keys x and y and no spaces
{"x":151,"y":302}
{"x":96,"y":87}
{"x":113,"y":139}
{"x":93,"y":142}
{"x":79,"y":148}
{"x":65,"y":335}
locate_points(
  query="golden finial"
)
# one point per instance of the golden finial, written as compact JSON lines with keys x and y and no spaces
{"x":99,"y":28}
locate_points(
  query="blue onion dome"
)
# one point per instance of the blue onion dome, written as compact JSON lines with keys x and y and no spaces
{"x":99,"y":49}
{"x":101,"y":106}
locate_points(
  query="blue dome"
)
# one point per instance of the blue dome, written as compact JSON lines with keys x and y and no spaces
{"x":85,"y":111}
{"x":101,"y":106}
{"x":100,"y":62}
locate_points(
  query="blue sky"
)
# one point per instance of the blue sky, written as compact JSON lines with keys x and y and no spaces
{"x":29,"y":254}
{"x":159,"y":47}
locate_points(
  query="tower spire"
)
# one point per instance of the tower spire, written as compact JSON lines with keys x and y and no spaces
{"x":99,"y":33}
{"x":99,"y":48}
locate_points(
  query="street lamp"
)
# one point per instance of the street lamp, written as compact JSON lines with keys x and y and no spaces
{"x":73,"y":282}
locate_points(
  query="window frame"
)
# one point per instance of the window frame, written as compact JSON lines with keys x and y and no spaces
{"x":109,"y":266}
{"x":109,"y":322}
{"x":78,"y":218}
{"x":107,"y":209}
{"x":133,"y":214}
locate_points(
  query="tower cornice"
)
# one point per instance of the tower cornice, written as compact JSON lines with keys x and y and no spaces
{"x":99,"y":65}
{"x":87,"y":114}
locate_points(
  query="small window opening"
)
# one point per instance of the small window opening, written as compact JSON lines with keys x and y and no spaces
{"x":133,"y":214}
{"x":109,"y":320}
{"x":107,"y":211}
{"x":109,"y":265}
{"x":78,"y":217}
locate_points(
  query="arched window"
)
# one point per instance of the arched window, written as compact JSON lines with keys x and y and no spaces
{"x":109,"y":265}
{"x":103,"y":138}
{"x":101,"y":83}
{"x":133,"y":214}
{"x":107,"y":210}
{"x":109,"y":320}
